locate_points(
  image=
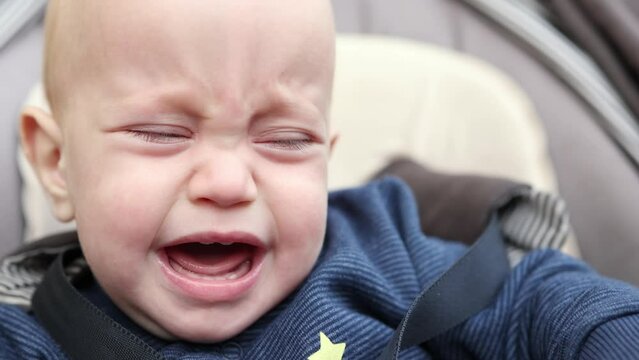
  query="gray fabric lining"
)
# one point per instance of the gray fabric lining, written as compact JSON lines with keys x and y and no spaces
{"x":15,"y":14}
{"x":572,"y":65}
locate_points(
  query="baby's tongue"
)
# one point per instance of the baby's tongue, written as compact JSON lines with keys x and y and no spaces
{"x":210,"y":260}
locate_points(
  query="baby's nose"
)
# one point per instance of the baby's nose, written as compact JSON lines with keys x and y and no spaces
{"x":225,"y":179}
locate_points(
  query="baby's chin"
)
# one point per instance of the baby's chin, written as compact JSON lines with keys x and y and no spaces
{"x":206,"y":336}
{"x":202,"y":332}
{"x":197,"y":322}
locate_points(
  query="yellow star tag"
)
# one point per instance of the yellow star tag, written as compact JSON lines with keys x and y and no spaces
{"x":328,"y":350}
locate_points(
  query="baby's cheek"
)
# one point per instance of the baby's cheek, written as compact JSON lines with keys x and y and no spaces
{"x":123,"y":216}
{"x":116,"y":238}
{"x":296,"y":197}
{"x":301,"y":222}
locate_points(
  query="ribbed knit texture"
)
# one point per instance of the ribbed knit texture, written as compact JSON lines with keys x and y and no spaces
{"x":617,"y":339}
{"x":374,"y":262}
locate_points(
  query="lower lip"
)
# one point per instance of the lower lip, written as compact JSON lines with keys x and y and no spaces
{"x":212,"y":290}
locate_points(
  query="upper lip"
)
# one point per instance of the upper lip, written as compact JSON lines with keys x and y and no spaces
{"x":218,"y":237}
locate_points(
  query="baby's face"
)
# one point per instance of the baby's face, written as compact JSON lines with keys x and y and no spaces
{"x":195,"y":147}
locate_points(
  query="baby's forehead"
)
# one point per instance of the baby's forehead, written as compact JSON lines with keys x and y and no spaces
{"x":93,"y":38}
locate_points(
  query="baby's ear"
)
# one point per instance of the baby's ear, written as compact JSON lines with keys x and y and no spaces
{"x":41,"y":138}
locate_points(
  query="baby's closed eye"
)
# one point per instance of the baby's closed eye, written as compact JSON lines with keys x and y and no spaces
{"x":286,"y":140}
{"x":161,"y":134}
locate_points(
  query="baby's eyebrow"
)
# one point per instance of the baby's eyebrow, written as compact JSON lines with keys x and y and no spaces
{"x":278,"y":101}
{"x":159,"y":100}
{"x":285,"y":102}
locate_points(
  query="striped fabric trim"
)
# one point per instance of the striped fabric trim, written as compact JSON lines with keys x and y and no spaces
{"x":15,"y":14}
{"x":536,"y":220}
{"x":21,"y":273}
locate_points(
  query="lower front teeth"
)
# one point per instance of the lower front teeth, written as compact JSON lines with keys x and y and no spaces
{"x":238,"y":272}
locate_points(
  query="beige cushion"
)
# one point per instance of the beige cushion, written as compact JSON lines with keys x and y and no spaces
{"x":445,"y":109}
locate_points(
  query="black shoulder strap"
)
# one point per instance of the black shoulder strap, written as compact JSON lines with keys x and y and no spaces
{"x":99,"y":338}
{"x":469,"y":286}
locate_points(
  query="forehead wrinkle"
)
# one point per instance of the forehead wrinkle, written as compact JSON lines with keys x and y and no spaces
{"x":158,"y":101}
{"x":280,"y":100}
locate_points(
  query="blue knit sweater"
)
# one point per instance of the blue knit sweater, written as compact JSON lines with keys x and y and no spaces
{"x":374,"y":263}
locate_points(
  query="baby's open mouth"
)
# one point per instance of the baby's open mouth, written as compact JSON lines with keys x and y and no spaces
{"x":213,"y":267}
{"x":211,"y":261}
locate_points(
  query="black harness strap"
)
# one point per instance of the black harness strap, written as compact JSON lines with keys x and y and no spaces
{"x":469,"y":286}
{"x":81,"y":329}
